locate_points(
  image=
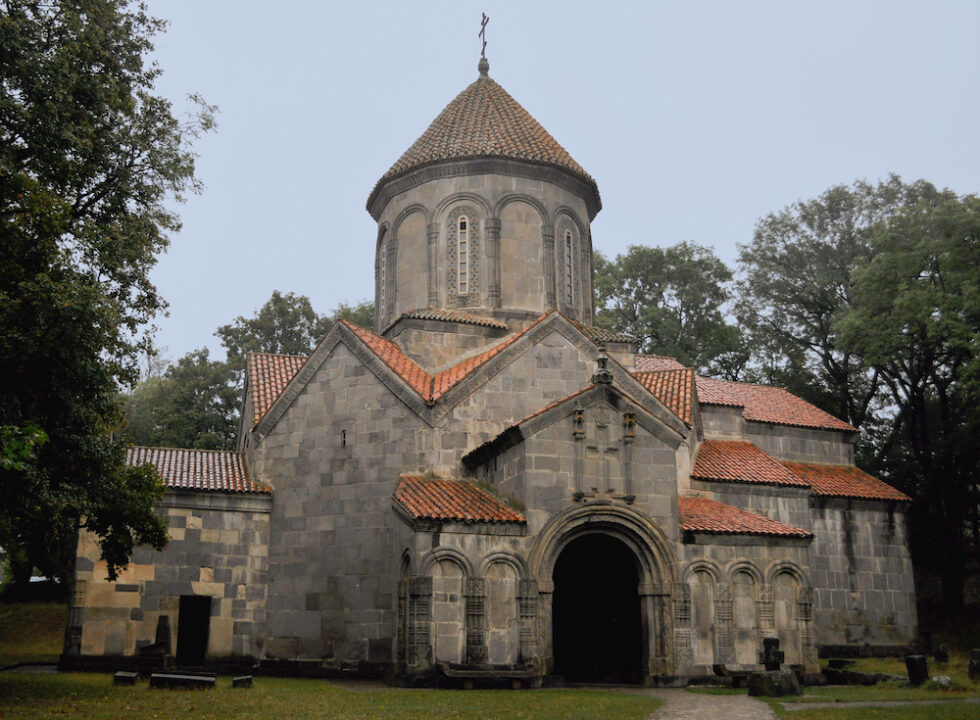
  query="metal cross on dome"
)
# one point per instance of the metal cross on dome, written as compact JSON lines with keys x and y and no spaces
{"x":483,"y":33}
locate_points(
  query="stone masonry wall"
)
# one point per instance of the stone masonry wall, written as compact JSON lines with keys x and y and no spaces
{"x":862,"y":574}
{"x":218,"y":547}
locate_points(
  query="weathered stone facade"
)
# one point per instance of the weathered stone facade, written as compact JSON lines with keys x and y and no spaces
{"x":479,"y":491}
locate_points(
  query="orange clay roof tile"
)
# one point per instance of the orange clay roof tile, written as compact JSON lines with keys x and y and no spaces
{"x":740,"y":461}
{"x":767,"y":404}
{"x":435,"y":499}
{"x":844,"y":481}
{"x":484,"y":121}
{"x":268,"y":376}
{"x":674,"y":388}
{"x":710,"y":516}
{"x":183,"y":469}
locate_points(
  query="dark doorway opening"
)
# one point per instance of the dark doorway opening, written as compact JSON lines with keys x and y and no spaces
{"x":193,"y":623}
{"x":596,"y":612}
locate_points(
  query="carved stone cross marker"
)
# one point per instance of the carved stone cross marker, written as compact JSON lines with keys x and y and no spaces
{"x":601,"y":448}
{"x":483,"y":33}
{"x":771,"y":656}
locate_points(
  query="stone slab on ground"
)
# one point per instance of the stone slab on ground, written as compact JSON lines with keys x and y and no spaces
{"x":173,"y":681}
{"x":790,"y":707}
{"x":774,"y":683}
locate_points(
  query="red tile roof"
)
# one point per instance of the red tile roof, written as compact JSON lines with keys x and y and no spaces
{"x":430,"y":387}
{"x":710,"y":516}
{"x":844,"y":481}
{"x":435,"y":499}
{"x":268,"y":376}
{"x":674,"y":388}
{"x":453,"y":316}
{"x":184,"y":469}
{"x":484,"y":121}
{"x":767,"y":404}
{"x":653,"y":363}
{"x":740,"y":461}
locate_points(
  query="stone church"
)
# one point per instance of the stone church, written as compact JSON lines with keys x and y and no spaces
{"x":488,"y":486}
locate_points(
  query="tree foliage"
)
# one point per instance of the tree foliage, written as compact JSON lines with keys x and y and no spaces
{"x":194,"y":404}
{"x":796,"y":285}
{"x":673,"y":300}
{"x":89,"y":159}
{"x":916,"y":321}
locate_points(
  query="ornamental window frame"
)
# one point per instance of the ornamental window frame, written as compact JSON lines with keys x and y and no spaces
{"x":463,"y":289}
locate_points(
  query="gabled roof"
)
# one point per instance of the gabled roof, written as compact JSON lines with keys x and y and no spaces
{"x":484,"y":121}
{"x":435,"y":499}
{"x":710,"y":516}
{"x":844,"y":481}
{"x":268,"y":376}
{"x":184,"y":469}
{"x":653,"y":363}
{"x":740,"y":461}
{"x":767,"y":404}
{"x":674,"y":388}
{"x":430,"y":387}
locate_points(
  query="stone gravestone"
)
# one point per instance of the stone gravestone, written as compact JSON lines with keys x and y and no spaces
{"x":941,"y":654}
{"x":771,"y":656}
{"x":773,"y":682}
{"x":974,"y":666}
{"x":156,"y":655}
{"x":918,"y":669}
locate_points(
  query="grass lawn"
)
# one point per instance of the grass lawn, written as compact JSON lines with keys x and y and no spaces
{"x":31,"y":632}
{"x":947,"y":711}
{"x":82,"y":695}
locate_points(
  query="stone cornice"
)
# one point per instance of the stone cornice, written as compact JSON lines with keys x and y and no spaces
{"x":384,"y":192}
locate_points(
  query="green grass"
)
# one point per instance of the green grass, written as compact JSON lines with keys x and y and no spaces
{"x":946,"y":711}
{"x":90,"y":696}
{"x":31,"y":632}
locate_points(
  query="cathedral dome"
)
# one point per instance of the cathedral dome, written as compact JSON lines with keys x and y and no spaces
{"x":484,"y":121}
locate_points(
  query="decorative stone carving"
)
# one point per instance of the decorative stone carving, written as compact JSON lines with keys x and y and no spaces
{"x":475,"y":593}
{"x":684,"y":646}
{"x":472,"y":295}
{"x":682,"y":604}
{"x":766,"y":608}
{"x":527,"y":603}
{"x":419,"y":645}
{"x":432,"y":235}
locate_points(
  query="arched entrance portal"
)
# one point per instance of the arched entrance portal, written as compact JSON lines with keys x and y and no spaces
{"x":596,"y":620}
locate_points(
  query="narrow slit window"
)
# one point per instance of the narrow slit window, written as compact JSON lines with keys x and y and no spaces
{"x":568,"y":268}
{"x":382,"y":263}
{"x":462,"y":254}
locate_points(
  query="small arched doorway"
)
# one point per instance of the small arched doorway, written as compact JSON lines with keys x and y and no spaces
{"x":596,"y":622}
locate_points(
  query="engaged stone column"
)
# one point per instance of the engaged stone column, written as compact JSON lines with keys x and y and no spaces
{"x":527,"y":601}
{"x":548,"y":242}
{"x":419,"y":621}
{"x":493,"y":262}
{"x":433,"y":237}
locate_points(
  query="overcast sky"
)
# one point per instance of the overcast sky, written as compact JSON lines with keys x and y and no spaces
{"x":695,"y":119}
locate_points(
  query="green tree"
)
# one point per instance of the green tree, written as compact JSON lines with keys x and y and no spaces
{"x":89,"y":160}
{"x":194,"y":404}
{"x":673,"y":300}
{"x":796,"y":285}
{"x":286,"y":324}
{"x":361,"y":314}
{"x":915,"y":320}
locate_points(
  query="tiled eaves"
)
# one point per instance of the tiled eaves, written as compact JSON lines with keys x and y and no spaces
{"x":656,"y":363}
{"x":701,"y":515}
{"x":198,"y":470}
{"x":765,"y":404}
{"x":453,"y":317}
{"x":598,"y":334}
{"x":423,"y":498}
{"x":739,"y":461}
{"x":845,"y":481}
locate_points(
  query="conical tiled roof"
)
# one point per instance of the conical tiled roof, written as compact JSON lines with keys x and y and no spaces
{"x":484,"y":121}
